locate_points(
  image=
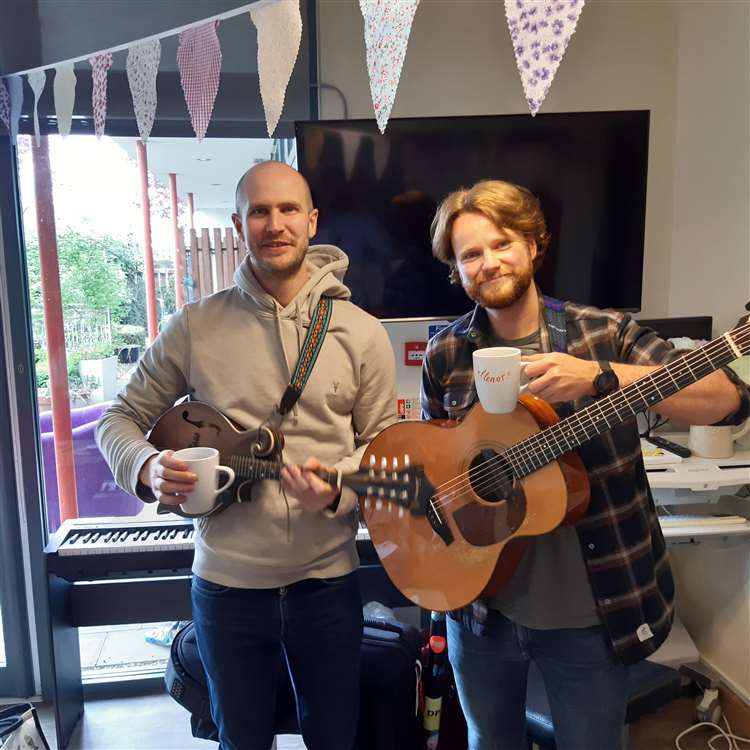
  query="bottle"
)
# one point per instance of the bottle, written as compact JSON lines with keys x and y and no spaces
{"x":434,"y":689}
{"x":437,"y":624}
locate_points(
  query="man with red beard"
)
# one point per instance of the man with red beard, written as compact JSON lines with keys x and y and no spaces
{"x":586,"y":600}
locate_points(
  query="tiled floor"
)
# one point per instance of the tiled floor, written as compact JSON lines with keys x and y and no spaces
{"x":116,"y":650}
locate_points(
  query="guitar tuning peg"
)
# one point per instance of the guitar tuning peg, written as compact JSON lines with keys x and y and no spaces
{"x":407,"y":461}
{"x":393,"y":494}
{"x":378,"y":504}
{"x":367,"y":503}
{"x":401,"y":512}
{"x":395,"y":469}
{"x":372,"y":466}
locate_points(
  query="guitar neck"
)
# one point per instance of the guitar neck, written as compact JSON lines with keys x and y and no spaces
{"x":608,"y":412}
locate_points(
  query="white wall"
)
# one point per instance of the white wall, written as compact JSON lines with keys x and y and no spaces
{"x":710,"y":262}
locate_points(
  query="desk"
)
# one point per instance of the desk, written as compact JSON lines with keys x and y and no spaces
{"x":698,"y":481}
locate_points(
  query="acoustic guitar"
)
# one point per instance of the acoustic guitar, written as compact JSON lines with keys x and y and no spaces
{"x":256,"y":454}
{"x":491,"y":481}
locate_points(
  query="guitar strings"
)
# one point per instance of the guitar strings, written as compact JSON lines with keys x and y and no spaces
{"x":531,"y":456}
{"x":662,"y":376}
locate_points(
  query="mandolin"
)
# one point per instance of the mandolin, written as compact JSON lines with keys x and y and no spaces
{"x":492,"y":481}
{"x":256,"y":454}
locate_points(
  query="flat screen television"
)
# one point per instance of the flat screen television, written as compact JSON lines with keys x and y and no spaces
{"x":377,"y":195}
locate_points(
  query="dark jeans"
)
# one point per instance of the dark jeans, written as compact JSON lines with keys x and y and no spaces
{"x":586,"y":686}
{"x":246,"y":637}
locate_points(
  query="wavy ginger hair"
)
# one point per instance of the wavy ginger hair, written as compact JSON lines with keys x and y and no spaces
{"x":506,"y":205}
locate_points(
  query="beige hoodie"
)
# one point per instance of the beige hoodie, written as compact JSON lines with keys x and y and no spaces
{"x":236,"y":350}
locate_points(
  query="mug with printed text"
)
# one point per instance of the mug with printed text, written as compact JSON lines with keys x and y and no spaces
{"x":497,"y":378}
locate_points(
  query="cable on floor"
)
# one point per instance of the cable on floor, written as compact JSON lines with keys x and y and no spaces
{"x":731,"y":739}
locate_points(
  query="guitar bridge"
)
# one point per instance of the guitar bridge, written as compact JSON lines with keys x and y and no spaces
{"x":439,"y":526}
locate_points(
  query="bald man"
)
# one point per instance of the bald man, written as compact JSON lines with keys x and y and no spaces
{"x":274,"y":583}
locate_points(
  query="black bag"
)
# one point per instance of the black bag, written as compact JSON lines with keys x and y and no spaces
{"x":388,"y":715}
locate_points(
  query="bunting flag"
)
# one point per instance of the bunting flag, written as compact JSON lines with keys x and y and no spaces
{"x":199,"y":60}
{"x":387,"y":28}
{"x":279,"y":28}
{"x":37,"y":80}
{"x":64,"y":89}
{"x":4,"y":104}
{"x":100,"y":65}
{"x":540,"y":31}
{"x":15,"y":89}
{"x":142,"y":66}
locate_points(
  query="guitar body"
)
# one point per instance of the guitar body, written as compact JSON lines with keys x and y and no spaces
{"x":192,"y":424}
{"x":483,"y":529}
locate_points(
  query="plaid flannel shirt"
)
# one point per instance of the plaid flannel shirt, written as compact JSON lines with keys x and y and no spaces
{"x":621,"y":539}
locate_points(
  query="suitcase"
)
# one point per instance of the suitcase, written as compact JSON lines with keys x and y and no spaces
{"x":389,"y":696}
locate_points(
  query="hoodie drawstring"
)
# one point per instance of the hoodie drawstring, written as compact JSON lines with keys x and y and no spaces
{"x":277,"y":319}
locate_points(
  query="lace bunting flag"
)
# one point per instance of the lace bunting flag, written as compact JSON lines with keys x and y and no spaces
{"x":540,"y":31}
{"x":142,"y":66}
{"x":15,"y":90}
{"x":199,"y":60}
{"x":279,"y":28}
{"x":64,"y":88}
{"x":100,"y":65}
{"x":37,"y":80}
{"x":387,"y":28}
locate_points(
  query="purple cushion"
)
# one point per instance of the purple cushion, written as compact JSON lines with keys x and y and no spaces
{"x":98,"y":495}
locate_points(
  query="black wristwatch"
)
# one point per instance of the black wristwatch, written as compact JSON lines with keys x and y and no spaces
{"x":606,"y":381}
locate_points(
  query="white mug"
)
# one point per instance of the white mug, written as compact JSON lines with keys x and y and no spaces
{"x":497,"y":378}
{"x":713,"y":441}
{"x":204,"y":463}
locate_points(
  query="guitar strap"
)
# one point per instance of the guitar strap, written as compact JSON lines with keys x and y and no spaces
{"x":554,"y":317}
{"x":309,"y":354}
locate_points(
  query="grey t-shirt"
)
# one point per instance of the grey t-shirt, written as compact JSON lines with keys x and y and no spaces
{"x":550,"y":589}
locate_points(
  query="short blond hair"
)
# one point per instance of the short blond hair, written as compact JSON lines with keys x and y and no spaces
{"x":506,"y":205}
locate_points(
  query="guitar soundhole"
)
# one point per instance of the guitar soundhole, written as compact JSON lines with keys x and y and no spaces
{"x":490,"y":476}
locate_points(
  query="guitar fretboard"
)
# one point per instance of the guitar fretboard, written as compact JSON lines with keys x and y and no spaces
{"x":568,"y":434}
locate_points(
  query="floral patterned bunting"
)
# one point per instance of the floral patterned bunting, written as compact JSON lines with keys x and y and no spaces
{"x":4,"y":104}
{"x":100,"y":65}
{"x":540,"y":31}
{"x":387,"y":28}
{"x":142,"y":66}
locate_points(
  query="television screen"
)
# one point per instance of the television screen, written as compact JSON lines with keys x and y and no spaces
{"x":377,"y":195}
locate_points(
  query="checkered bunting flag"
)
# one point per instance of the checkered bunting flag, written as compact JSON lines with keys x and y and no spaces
{"x":199,"y":60}
{"x":100,"y":65}
{"x":142,"y":65}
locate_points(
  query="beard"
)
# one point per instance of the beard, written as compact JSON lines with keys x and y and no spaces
{"x":504,"y":292}
{"x":281,"y":267}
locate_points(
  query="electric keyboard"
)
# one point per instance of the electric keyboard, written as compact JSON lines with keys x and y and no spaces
{"x":83,"y":551}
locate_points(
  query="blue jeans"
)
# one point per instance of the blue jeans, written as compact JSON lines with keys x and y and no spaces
{"x":586,"y":686}
{"x":246,"y":637}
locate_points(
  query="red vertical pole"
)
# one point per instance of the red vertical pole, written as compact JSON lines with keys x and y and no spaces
{"x":53,"y":325}
{"x":179,"y":260}
{"x":148,"y":253}
{"x":191,"y":210}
